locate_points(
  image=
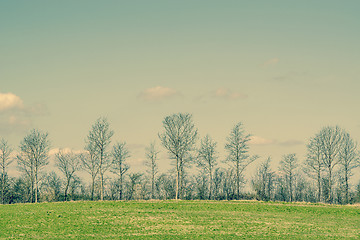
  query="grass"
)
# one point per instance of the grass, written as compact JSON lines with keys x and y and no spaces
{"x":179,"y":220}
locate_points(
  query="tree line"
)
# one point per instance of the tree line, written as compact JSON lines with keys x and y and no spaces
{"x":323,"y":176}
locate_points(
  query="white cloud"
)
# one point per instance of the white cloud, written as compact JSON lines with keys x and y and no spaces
{"x":13,"y":122}
{"x":221,"y":92}
{"x":272,"y":61}
{"x":15,"y":116}
{"x":18,"y":121}
{"x":291,"y":142}
{"x":135,"y":146}
{"x":228,"y":94}
{"x":136,"y":162}
{"x":53,"y":151}
{"x":10,"y":101}
{"x":158,"y":93}
{"x":256,"y":140}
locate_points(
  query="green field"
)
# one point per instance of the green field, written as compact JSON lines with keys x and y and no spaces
{"x":178,"y":220}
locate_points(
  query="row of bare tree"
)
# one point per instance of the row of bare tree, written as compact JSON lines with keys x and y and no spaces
{"x":324,"y":176}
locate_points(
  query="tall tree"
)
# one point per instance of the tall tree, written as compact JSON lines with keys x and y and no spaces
{"x":5,"y":161}
{"x":331,"y":141}
{"x":207,"y":156}
{"x":314,"y":164}
{"x":178,"y":138}
{"x":100,"y":138}
{"x":237,"y":148}
{"x":69,"y":164}
{"x":151,"y":162}
{"x":349,"y":159}
{"x":120,"y":154}
{"x":33,"y":156}
{"x":288,"y":164}
{"x":90,"y":163}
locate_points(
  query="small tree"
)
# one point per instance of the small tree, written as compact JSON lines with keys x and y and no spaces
{"x":52,"y":185}
{"x":179,"y":138}
{"x":165,"y":186}
{"x":263,"y":181}
{"x":90,"y":163}
{"x":287,"y":166}
{"x":207,"y":156}
{"x":151,"y":163}
{"x":314,"y":165}
{"x":237,"y":148}
{"x":69,"y":164}
{"x":331,"y":141}
{"x":20,"y":191}
{"x":120,"y":154}
{"x":134,"y":187}
{"x":100,"y":138}
{"x":5,"y":161}
{"x":349,"y":159}
{"x":218,"y":179}
{"x":33,"y":156}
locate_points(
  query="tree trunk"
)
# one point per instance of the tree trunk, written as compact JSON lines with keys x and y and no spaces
{"x":32,"y":177}
{"x":3,"y":185}
{"x":210,"y":184}
{"x":36,"y":187}
{"x":181,"y":187}
{"x":101,"y":186}
{"x":152,"y":183}
{"x":268,"y":195}
{"x":290,"y":186}
{"x":2,"y":191}
{"x":121,"y":186}
{"x":237,"y":179}
{"x":346,"y":186}
{"x":319,"y":185}
{"x":92,"y":187}
{"x":177,"y":179}
{"x":66,"y":189}
{"x":101,"y":175}
{"x":329,"y":200}
{"x":32,"y":189}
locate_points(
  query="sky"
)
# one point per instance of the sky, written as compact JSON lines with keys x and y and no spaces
{"x":285,"y":69}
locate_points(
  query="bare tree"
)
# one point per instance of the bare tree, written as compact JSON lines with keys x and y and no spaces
{"x":287,"y":166}
{"x":165,"y":186}
{"x":33,"y":156}
{"x":5,"y":161}
{"x":263,"y":181}
{"x":151,"y":162}
{"x":90,"y":163}
{"x":100,"y":137}
{"x":349,"y":159}
{"x":179,"y":138}
{"x":120,"y":154}
{"x":314,"y":164}
{"x":219,"y":176}
{"x":21,"y":191}
{"x":134,"y":186}
{"x":207,"y":156}
{"x":331,"y":141}
{"x":237,"y":147}
{"x":68,"y":163}
{"x":51,"y":186}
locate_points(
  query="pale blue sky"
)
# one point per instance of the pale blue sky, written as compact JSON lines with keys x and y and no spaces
{"x":283,"y":68}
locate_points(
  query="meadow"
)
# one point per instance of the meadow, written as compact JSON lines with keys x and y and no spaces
{"x":179,"y":220}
